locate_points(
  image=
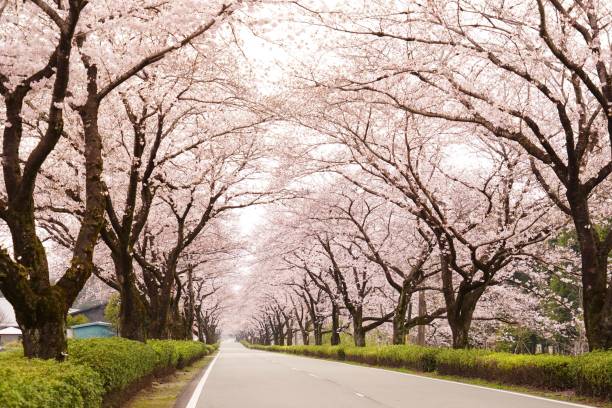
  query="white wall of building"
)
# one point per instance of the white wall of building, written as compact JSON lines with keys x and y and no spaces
{"x":7,"y":314}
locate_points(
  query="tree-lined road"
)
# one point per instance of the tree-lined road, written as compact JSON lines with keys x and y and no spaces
{"x":256,"y":379}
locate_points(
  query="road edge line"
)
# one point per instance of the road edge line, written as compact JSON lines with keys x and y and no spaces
{"x":197,"y":393}
{"x":574,"y":404}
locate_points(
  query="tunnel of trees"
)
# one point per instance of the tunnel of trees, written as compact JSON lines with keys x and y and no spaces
{"x":437,"y":173}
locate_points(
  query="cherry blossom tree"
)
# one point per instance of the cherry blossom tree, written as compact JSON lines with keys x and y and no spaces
{"x":44,"y":73}
{"x":535,"y":74}
{"x":41,"y":306}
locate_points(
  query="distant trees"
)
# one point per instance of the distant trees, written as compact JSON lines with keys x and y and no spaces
{"x":364,"y":257}
{"x":74,"y":320}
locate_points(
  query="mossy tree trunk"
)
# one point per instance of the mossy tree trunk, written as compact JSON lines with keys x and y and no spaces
{"x":41,"y":307}
{"x":132,"y":312}
{"x":44,"y":332}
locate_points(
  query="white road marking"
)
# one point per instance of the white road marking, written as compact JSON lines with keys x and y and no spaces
{"x":313,"y":375}
{"x":197,"y":393}
{"x":359,"y":395}
{"x":571,"y":404}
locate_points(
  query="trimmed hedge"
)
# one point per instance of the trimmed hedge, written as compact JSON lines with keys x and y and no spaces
{"x":590,"y":374}
{"x":178,"y":353}
{"x":593,"y":373}
{"x":543,"y":371}
{"x":95,"y":370}
{"x":333,"y":352}
{"x":119,"y":362}
{"x":28,"y":383}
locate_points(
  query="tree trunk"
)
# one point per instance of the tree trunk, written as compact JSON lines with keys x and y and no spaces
{"x":44,"y":330}
{"x":40,"y":309}
{"x":177,"y":327}
{"x":200,"y":324}
{"x":460,"y":306}
{"x":399,"y":318}
{"x":46,"y":340}
{"x":359,"y":334}
{"x":596,"y":298}
{"x":399,"y":330}
{"x":211,"y":335}
{"x":132,"y":311}
{"x":289,"y":337}
{"x":160,"y":310}
{"x":318,"y":333}
{"x":281,"y":337}
{"x":460,"y":331}
{"x":421,"y":330}
{"x":335,"y":331}
{"x":460,"y":317}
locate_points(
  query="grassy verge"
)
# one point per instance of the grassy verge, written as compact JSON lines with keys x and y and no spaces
{"x":586,"y":379}
{"x":163,"y":394}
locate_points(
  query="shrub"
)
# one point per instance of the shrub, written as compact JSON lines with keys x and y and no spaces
{"x":546,"y":371}
{"x":593,"y":373}
{"x":459,"y":362}
{"x":413,"y":357}
{"x":167,"y":354}
{"x":119,"y":362}
{"x":95,"y":370}
{"x":367,"y":355}
{"x":178,"y":353}
{"x":212,"y":347}
{"x":327,"y":351}
{"x":76,"y":320}
{"x":28,"y":383}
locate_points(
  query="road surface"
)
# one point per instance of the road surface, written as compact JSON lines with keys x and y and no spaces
{"x":243,"y":378}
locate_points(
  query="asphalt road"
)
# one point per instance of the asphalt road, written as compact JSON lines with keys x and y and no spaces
{"x":257,"y":379}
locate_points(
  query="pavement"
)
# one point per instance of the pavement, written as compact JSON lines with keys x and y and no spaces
{"x":240,"y":377}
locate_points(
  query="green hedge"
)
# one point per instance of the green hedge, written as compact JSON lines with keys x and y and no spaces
{"x":593,"y":373}
{"x":95,"y":369}
{"x":179,"y":353}
{"x":590,"y":374}
{"x":28,"y":383}
{"x":333,"y":352}
{"x":410,"y":356}
{"x":119,"y":362}
{"x":544,"y":371}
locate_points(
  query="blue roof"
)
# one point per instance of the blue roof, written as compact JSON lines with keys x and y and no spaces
{"x":91,"y":324}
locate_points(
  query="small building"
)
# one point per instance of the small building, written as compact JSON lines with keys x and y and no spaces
{"x":9,"y":335}
{"x":91,"y":330}
{"x":93,"y":311}
{"x":7,"y":314}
